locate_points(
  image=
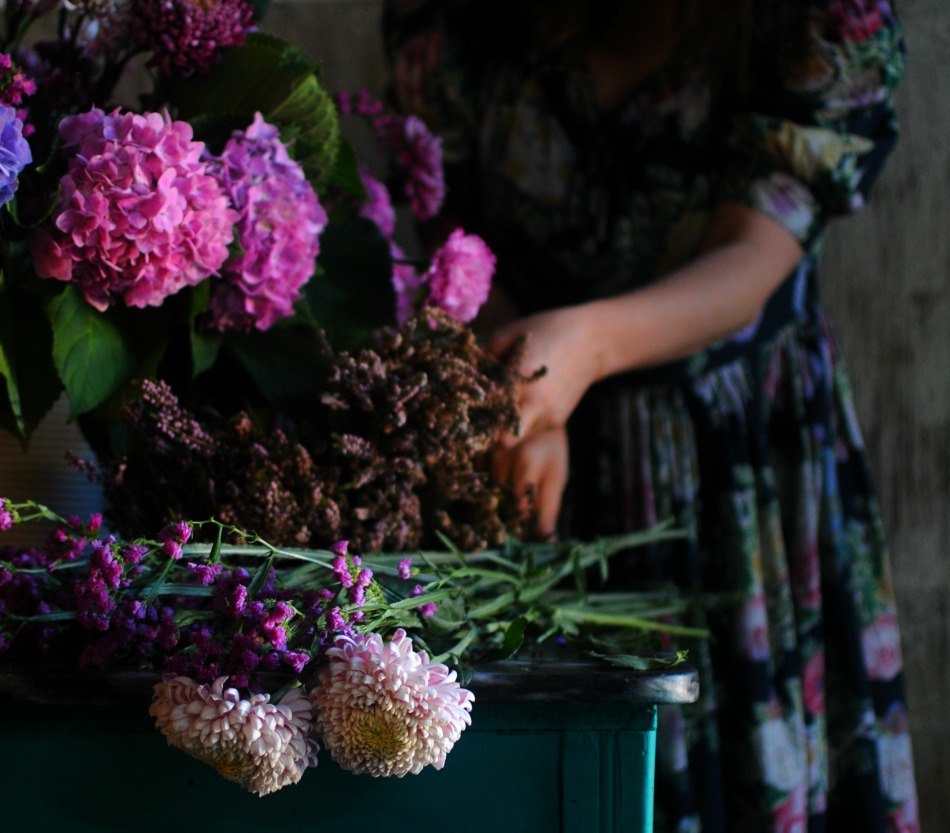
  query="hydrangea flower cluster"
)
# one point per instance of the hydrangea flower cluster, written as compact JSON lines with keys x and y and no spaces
{"x":188,"y":36}
{"x":459,"y":279}
{"x":15,"y":153}
{"x":383,"y":709}
{"x":139,"y":216}
{"x":278,"y":228}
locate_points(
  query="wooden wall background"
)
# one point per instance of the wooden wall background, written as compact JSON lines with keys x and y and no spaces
{"x":887,"y":287}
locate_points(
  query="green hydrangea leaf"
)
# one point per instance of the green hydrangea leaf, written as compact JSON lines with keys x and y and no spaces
{"x":269,"y":76}
{"x":355,"y":295}
{"x":89,"y":352}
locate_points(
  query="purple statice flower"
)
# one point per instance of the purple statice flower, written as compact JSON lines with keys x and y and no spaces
{"x":205,"y":573}
{"x":173,"y":537}
{"x":278,"y":228}
{"x":378,"y":206}
{"x":356,"y":594}
{"x":138,"y":217}
{"x":340,"y":548}
{"x":419,"y":154}
{"x":187,"y":36}
{"x":94,"y":604}
{"x":460,"y":276}
{"x":296,"y":659}
{"x":14,"y":152}
{"x":341,"y":569}
{"x":133,"y":553}
{"x":405,"y":569}
{"x":428,"y":609}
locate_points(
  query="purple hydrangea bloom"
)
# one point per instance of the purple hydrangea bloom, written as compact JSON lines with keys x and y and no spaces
{"x":139,"y":217}
{"x":460,"y":276}
{"x":278,"y":228}
{"x":14,"y":152}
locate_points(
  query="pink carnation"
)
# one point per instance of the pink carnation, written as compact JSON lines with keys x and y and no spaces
{"x":460,"y":275}
{"x":279,"y":226}
{"x":138,"y":217}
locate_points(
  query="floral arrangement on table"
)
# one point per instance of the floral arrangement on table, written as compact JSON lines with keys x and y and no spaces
{"x":211,"y":278}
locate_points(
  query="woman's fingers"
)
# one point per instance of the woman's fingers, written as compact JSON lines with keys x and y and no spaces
{"x":536,"y":470}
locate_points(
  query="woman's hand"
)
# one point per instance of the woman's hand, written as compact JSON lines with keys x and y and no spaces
{"x":562,"y":342}
{"x":536,"y":470}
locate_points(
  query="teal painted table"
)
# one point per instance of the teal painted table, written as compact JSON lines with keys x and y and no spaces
{"x":553,"y":748}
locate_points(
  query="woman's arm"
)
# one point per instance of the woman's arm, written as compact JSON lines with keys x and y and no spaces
{"x":745,"y":256}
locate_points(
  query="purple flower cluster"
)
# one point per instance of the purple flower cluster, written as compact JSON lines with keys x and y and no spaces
{"x":188,"y":36}
{"x":415,"y":152}
{"x":15,"y":153}
{"x":278,"y":229}
{"x":139,"y":215}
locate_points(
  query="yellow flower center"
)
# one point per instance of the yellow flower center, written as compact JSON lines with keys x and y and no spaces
{"x":379,"y":736}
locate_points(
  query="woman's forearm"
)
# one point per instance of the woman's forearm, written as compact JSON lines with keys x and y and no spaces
{"x":745,"y":257}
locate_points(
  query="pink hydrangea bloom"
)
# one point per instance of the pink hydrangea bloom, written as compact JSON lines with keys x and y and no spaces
{"x":279,"y":227}
{"x":459,"y":277}
{"x":420,"y":153}
{"x":139,"y":217}
{"x":187,"y":36}
{"x":258,"y":744}
{"x":384,"y":709}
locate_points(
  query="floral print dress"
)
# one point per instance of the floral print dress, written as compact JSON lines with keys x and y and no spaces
{"x":751,"y":445}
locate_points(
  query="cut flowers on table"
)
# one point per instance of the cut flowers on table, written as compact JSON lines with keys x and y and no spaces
{"x":211,"y":277}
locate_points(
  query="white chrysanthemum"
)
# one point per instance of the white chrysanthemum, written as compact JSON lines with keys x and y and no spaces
{"x":258,"y":744}
{"x":384,"y":709}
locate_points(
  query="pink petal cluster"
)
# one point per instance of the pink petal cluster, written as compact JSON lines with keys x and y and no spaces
{"x":460,"y":275}
{"x":255,"y":743}
{"x":187,"y":36}
{"x":382,"y":708}
{"x":278,"y":228}
{"x":420,"y":154}
{"x":139,"y":216}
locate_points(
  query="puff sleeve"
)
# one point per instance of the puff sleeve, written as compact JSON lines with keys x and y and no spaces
{"x":811,"y":145}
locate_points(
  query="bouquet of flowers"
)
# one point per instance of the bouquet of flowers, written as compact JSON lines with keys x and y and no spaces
{"x":210,"y":277}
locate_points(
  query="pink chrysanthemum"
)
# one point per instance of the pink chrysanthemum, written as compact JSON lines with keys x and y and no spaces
{"x":279,"y":226}
{"x":255,"y":743}
{"x":459,"y":277}
{"x":138,"y":217}
{"x":187,"y":36}
{"x":384,"y":709}
{"x":420,"y":154}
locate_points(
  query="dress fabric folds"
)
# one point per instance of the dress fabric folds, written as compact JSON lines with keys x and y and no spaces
{"x":751,"y":445}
